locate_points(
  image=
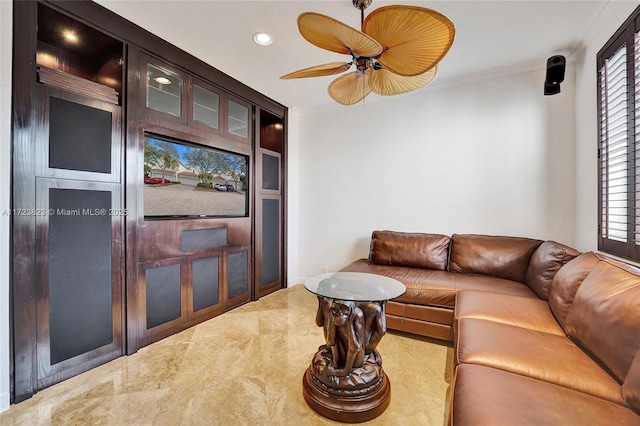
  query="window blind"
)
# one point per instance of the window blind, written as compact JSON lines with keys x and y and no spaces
{"x":619,"y":141}
{"x":636,"y":136}
{"x":614,"y":147}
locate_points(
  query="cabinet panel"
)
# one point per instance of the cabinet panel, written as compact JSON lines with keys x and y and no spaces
{"x":194,"y":239}
{"x":270,"y":171}
{"x":270,"y":239}
{"x":163,"y":295}
{"x":237,"y":274}
{"x":206,"y":274}
{"x":79,"y":275}
{"x":78,"y":137}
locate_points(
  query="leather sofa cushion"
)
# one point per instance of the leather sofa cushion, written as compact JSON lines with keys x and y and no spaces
{"x":566,"y":282}
{"x":415,"y":250}
{"x":605,"y":319}
{"x":542,"y":356}
{"x":491,"y":284}
{"x":438,"y":288}
{"x":631,"y":385}
{"x":525,"y":312}
{"x":502,"y":257}
{"x":487,"y":396}
{"x":424,"y":286}
{"x":545,"y":263}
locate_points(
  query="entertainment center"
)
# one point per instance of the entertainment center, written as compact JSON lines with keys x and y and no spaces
{"x":108,"y":117}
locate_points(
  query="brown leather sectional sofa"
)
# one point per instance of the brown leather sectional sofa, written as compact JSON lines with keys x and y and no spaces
{"x":542,"y":334}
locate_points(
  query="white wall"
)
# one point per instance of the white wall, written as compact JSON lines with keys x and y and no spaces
{"x":492,"y":156}
{"x":293,"y":188}
{"x":611,"y":18}
{"x":6,"y":39}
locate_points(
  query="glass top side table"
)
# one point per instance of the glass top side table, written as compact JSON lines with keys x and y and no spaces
{"x":345,"y":381}
{"x":355,"y":286}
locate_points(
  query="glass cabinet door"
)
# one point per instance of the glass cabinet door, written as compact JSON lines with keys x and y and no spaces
{"x":206,"y":107}
{"x":238,"y":120}
{"x":164,"y":90}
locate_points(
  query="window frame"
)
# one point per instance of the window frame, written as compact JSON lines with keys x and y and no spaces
{"x":623,"y":37}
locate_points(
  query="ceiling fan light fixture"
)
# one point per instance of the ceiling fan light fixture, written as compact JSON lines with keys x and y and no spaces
{"x":263,"y":39}
{"x":397,"y":50}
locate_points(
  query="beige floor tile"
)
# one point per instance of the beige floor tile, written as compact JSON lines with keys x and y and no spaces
{"x":244,"y":367}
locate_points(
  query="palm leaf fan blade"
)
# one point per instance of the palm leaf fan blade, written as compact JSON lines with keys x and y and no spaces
{"x":319,"y":70}
{"x":350,"y":88}
{"x":331,"y":34}
{"x":415,"y":39}
{"x":386,"y":83}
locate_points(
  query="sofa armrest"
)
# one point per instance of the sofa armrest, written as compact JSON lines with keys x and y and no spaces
{"x":545,"y":263}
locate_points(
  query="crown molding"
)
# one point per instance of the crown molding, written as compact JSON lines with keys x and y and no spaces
{"x":453,"y":82}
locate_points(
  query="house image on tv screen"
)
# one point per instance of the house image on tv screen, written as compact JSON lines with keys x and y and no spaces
{"x":183,"y":179}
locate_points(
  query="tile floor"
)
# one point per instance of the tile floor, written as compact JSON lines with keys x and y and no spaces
{"x":242,"y":368}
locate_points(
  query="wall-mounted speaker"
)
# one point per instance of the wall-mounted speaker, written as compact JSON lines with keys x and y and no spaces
{"x":555,"y":74}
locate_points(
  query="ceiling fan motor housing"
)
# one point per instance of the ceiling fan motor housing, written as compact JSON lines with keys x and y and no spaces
{"x":361,"y":4}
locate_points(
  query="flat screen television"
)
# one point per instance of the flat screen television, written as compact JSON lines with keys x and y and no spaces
{"x":187,"y":180}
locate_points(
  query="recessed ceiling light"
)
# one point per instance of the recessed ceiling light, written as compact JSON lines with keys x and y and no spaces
{"x":263,"y":39}
{"x":162,"y":80}
{"x":70,"y":36}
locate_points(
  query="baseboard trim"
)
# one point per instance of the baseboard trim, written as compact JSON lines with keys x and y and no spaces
{"x":295,"y":281}
{"x":4,"y":401}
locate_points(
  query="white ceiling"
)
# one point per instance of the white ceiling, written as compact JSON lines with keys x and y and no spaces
{"x":491,"y":36}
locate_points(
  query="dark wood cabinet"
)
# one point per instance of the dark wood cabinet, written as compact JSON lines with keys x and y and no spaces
{"x":101,"y":278}
{"x":171,"y":253}
{"x":76,"y":208}
{"x":270,"y":209}
{"x":177,"y":96}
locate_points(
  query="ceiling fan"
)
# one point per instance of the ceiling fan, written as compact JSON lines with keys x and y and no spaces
{"x":396,"y":51}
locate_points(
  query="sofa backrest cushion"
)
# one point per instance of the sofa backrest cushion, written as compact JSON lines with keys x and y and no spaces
{"x":604,"y":317}
{"x":566,"y":282}
{"x":502,"y":257}
{"x":415,"y":250}
{"x":631,"y":385}
{"x":545,"y":263}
